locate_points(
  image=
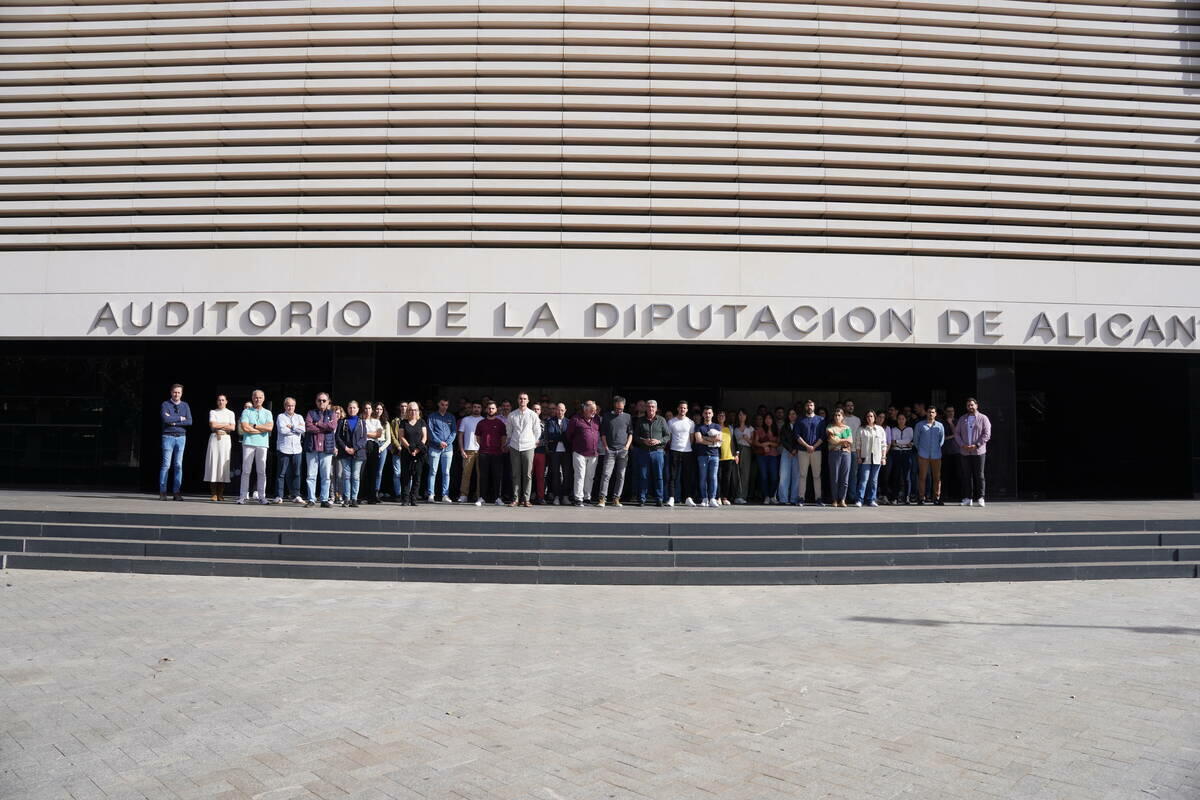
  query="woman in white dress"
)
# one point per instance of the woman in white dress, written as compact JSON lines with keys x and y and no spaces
{"x":216,"y":461}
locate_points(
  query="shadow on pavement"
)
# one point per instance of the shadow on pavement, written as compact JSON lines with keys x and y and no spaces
{"x":937,"y":623}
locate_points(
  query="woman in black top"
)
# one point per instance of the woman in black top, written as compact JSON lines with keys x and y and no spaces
{"x":414,"y":438}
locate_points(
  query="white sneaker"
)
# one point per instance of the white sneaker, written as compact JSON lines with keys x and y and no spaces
{"x":981,"y":503}
{"x":498,"y":502}
{"x":462,"y":498}
{"x":479,"y":502}
{"x":277,"y":500}
{"x":966,"y":501}
{"x":265,"y":502}
{"x":858,"y":503}
{"x":873,"y":504}
{"x":428,"y":498}
{"x":714,"y":504}
{"x":446,"y":499}
{"x":690,"y":502}
{"x":241,"y":501}
{"x":299,"y":500}
{"x":704,"y":503}
{"x":554,"y":502}
{"x":670,"y":502}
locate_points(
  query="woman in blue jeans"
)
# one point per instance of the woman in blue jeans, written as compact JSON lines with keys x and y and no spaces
{"x":351,"y":441}
{"x":765,"y":444}
{"x":707,"y":445}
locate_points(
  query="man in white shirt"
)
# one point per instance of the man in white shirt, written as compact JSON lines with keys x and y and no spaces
{"x":289,"y":436}
{"x":681,"y":428}
{"x":524,"y":428}
{"x":468,"y":448}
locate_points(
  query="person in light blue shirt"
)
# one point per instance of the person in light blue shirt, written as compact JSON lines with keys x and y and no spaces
{"x":442,"y":428}
{"x":928,"y":438}
{"x":256,"y":425}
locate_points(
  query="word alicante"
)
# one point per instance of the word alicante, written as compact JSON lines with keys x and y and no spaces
{"x":578,"y":317}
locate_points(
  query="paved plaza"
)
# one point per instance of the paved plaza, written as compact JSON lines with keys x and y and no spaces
{"x":144,"y":686}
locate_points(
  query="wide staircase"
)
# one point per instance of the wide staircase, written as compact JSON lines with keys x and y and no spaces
{"x":625,"y":551}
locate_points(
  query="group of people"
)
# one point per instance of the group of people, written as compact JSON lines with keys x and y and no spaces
{"x":527,"y":454}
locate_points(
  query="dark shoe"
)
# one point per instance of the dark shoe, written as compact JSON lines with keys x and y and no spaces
{"x":177,"y":496}
{"x":640,"y":503}
{"x":920,"y":501}
{"x":162,"y":495}
{"x":309,"y":504}
{"x":354,"y":504}
{"x":658,"y":503}
{"x":412,"y":501}
{"x":938,"y":502}
{"x":326,"y":504}
{"x":374,"y":501}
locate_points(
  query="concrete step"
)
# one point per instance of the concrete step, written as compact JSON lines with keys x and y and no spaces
{"x":678,"y":575}
{"x":566,"y":556}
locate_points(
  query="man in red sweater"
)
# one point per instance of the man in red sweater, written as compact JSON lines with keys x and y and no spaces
{"x":491,"y":435}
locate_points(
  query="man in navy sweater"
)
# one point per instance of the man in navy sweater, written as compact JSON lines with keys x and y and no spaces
{"x":176,"y":417}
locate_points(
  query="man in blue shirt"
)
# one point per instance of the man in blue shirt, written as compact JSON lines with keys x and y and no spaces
{"x":176,"y":416}
{"x":928,"y":438}
{"x":443,"y":427}
{"x":810,"y":444}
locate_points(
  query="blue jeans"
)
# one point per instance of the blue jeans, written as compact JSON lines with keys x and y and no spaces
{"x":439,"y":460}
{"x":351,"y":477}
{"x":868,"y":483}
{"x":381,"y":462}
{"x":287,"y":482}
{"x":709,"y":463}
{"x":839,"y":473}
{"x":172,"y":459}
{"x":397,"y":474}
{"x":319,"y":466}
{"x":650,"y":467}
{"x":768,"y":474}
{"x":789,"y":479}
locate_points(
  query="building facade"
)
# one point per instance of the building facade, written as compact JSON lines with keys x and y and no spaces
{"x":713,"y":199}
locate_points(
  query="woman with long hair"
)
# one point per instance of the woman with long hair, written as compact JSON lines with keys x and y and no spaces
{"x":221,"y":423}
{"x":765,"y":443}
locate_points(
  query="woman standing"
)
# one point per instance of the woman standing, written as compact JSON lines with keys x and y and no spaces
{"x":728,"y":466}
{"x":414,"y":439}
{"x":216,"y":461}
{"x":743,"y":435}
{"x":765,"y":443}
{"x":870,"y":445}
{"x":351,"y":439}
{"x":378,"y":438}
{"x":900,"y":454}
{"x":339,"y":414}
{"x":839,"y":441}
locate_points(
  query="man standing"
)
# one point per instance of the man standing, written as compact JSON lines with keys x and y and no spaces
{"x":256,"y":427}
{"x":853,"y":423}
{"x":176,"y":417}
{"x":707,"y":438}
{"x":928,"y":438}
{"x":810,"y":438}
{"x":560,"y":457}
{"x":951,"y":460}
{"x":616,"y":437}
{"x":441,"y":426}
{"x":523,"y":429}
{"x":491,"y":434}
{"x":681,"y":428}
{"x":468,"y":450}
{"x":289,"y":433}
{"x":974,"y":431}
{"x":320,"y":427}
{"x":652,"y":434}
{"x":582,"y":438}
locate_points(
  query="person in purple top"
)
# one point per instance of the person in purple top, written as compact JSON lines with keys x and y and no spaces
{"x":582,"y":438}
{"x":320,"y":425}
{"x":973,"y":432}
{"x":176,"y":417}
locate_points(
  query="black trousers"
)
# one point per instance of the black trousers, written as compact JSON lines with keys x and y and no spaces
{"x":560,"y":475}
{"x":729,"y":480}
{"x":683,"y":469}
{"x":491,"y":475}
{"x":952,"y":477}
{"x":412,"y":469}
{"x":972,"y":476}
{"x":506,"y":487}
